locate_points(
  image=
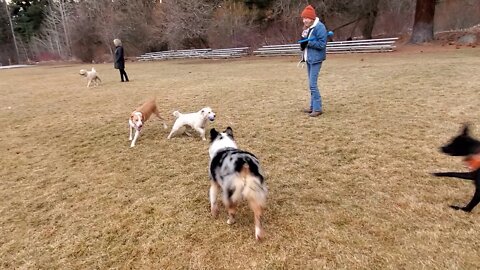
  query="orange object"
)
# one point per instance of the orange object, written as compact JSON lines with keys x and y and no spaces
{"x":473,"y":162}
{"x":309,"y":12}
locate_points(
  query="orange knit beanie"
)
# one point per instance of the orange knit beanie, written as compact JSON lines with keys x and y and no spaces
{"x":309,"y":12}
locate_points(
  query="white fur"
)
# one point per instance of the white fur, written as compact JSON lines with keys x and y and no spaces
{"x":217,"y":145}
{"x":92,"y":76}
{"x":137,"y":126}
{"x":236,"y":184}
{"x":196,"y":121}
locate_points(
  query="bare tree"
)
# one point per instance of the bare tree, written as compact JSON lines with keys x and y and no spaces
{"x":53,"y":38}
{"x":186,"y":22}
{"x":231,"y":25}
{"x":64,"y":8}
{"x":423,"y":24}
{"x":371,"y":12}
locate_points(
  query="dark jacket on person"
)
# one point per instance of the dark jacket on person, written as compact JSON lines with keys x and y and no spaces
{"x":119,"y":58}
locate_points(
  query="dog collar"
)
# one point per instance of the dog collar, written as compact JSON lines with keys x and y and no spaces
{"x":473,"y":162}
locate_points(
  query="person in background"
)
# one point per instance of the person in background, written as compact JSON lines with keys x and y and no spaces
{"x":313,"y":45}
{"x":120,"y":59}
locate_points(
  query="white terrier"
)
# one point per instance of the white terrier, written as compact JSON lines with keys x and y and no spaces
{"x":196,"y":121}
{"x":92,"y":76}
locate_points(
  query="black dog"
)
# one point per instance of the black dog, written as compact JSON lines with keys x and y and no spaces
{"x":465,"y":146}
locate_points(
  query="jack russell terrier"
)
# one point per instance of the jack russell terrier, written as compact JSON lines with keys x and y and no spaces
{"x":140,"y":116}
{"x":196,"y":121}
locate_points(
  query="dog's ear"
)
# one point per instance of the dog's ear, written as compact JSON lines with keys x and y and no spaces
{"x":229,"y":131}
{"x":213,"y":134}
{"x":466,"y":129}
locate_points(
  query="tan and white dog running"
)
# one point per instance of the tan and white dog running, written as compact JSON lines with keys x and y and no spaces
{"x":140,"y":116}
{"x":92,"y":76}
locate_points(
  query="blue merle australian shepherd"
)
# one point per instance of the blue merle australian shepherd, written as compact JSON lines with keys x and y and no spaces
{"x":237,"y":173}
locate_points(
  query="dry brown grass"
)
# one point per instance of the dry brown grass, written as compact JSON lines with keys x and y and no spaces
{"x":351,"y":189}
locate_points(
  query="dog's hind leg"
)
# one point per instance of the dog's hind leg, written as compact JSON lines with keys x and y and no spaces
{"x":232,"y":210}
{"x":160,"y":117}
{"x":175,"y":128}
{"x":131,"y":133}
{"x":257,"y":214}
{"x":475,"y":199}
{"x":212,"y":194}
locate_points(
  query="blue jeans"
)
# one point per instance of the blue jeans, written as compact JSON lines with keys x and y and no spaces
{"x":315,"y":98}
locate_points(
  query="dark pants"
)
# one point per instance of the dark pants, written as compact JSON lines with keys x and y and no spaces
{"x":123,"y":74}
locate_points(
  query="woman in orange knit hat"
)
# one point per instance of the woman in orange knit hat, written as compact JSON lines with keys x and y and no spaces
{"x":313,"y":45}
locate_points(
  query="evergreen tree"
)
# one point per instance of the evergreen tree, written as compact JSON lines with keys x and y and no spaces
{"x":27,"y":17}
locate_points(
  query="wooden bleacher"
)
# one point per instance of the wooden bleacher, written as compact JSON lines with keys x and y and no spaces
{"x":351,"y":46}
{"x":195,"y":53}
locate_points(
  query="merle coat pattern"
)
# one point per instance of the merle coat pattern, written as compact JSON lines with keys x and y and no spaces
{"x":238,"y":174}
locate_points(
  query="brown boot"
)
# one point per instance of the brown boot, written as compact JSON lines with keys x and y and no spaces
{"x":315,"y":113}
{"x":307,"y":110}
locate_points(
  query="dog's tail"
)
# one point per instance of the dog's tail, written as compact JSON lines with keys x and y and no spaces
{"x":176,"y":114}
{"x":254,"y":190}
{"x":93,"y":69}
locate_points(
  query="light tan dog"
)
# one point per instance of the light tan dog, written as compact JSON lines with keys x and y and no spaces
{"x":196,"y":121}
{"x":92,"y":76}
{"x":140,"y":116}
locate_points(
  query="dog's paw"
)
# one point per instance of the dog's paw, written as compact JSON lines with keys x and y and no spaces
{"x":214,"y":211}
{"x":230,"y":220}
{"x":455,"y":207}
{"x":464,"y":209}
{"x":259,"y":234}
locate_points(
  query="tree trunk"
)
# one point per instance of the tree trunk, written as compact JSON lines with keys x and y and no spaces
{"x":65,"y":25}
{"x":423,"y":24}
{"x":371,"y":17}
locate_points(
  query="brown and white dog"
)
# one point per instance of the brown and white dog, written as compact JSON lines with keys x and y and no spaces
{"x":140,"y":116}
{"x":92,"y":76}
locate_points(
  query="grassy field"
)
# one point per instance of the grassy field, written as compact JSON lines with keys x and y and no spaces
{"x":351,"y":189}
